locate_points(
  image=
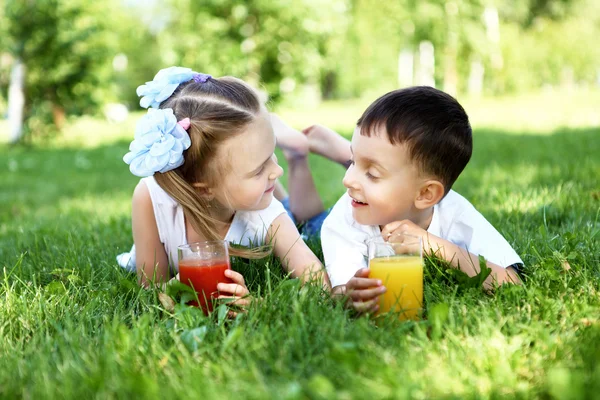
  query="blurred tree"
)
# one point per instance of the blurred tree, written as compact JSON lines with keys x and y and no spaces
{"x":526,"y":12}
{"x":64,"y":47}
{"x":278,"y":43}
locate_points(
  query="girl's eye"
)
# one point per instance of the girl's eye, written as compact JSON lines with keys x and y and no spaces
{"x":260,"y":171}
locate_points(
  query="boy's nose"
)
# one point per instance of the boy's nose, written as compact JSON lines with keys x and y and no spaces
{"x":349,"y":181}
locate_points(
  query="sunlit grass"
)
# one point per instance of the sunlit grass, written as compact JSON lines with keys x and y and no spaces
{"x":74,"y":325}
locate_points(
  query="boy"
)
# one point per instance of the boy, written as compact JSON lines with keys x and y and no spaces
{"x":408,"y":148}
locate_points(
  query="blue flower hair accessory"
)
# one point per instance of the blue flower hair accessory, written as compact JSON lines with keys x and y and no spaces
{"x":159,"y":143}
{"x":163,"y":85}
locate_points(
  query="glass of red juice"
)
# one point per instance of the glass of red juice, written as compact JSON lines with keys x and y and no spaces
{"x":202,"y":266}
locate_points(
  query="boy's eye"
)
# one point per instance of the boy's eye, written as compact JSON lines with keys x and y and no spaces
{"x":371,"y":176}
{"x":260,"y":171}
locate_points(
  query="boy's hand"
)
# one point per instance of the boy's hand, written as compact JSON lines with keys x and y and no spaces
{"x":363,"y":293}
{"x":404,"y":227}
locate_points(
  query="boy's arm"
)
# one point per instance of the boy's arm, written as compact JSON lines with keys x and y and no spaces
{"x":457,"y":256}
{"x":343,"y":244}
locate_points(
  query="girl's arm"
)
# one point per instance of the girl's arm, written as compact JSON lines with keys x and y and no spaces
{"x":152,"y":263}
{"x":294,"y":253}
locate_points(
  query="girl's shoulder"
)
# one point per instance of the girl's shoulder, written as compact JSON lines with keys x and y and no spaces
{"x":157,"y":194}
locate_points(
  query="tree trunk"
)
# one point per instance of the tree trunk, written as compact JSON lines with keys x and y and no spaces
{"x":405,"y":68}
{"x":16,"y":101}
{"x":59,"y":116}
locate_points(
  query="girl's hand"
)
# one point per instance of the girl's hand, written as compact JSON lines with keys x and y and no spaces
{"x":237,"y":291}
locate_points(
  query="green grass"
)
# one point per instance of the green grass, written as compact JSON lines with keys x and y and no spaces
{"x":72,"y":324}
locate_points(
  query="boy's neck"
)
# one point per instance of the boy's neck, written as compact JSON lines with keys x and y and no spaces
{"x":424,"y":218}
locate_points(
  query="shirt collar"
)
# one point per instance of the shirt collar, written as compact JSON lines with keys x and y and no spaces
{"x":434,"y":226}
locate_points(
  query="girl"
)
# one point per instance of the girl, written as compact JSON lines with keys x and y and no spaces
{"x":206,"y":154}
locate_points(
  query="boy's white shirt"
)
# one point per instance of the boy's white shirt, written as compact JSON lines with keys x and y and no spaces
{"x":454,"y":219}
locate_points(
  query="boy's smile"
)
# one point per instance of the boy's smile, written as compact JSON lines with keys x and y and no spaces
{"x":382,"y":181}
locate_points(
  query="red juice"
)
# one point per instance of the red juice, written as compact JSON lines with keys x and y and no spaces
{"x":203,"y":276}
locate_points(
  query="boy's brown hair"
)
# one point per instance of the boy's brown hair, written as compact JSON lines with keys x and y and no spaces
{"x":432,"y":124}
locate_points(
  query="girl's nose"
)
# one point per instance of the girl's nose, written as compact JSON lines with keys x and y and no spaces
{"x":277,"y":173}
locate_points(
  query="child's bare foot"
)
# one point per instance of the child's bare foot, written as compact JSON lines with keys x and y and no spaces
{"x":327,"y":143}
{"x":292,"y":143}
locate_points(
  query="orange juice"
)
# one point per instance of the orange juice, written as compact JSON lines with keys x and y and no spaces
{"x":403,"y":278}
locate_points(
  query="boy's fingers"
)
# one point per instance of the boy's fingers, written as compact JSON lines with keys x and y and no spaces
{"x":366,"y":306}
{"x":367,"y":294}
{"x":362,"y":283}
{"x":391,"y":227}
{"x":362,"y":273}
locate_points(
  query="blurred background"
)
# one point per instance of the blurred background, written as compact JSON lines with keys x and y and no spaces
{"x":69,"y":68}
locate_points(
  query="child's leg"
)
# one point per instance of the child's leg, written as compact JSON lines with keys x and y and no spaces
{"x":329,"y":144}
{"x":304,"y":199}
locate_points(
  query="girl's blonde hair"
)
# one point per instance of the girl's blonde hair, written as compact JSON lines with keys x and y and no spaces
{"x":218,"y":109}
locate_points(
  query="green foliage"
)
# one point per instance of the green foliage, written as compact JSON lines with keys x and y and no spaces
{"x":261,"y":40}
{"x":64,"y":46}
{"x":298,"y":51}
{"x":552,"y":53}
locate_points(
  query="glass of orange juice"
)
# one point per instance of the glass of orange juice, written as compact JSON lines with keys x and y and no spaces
{"x":398,"y":263}
{"x":202,"y":266}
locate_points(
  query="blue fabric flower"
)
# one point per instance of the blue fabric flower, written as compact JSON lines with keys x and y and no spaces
{"x":158,"y":145}
{"x":163,"y":85}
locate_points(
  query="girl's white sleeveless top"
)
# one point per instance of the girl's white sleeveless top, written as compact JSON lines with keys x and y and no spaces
{"x":247,"y":227}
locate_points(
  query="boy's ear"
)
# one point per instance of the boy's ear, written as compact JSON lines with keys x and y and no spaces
{"x":203,"y":189}
{"x":431,"y":192}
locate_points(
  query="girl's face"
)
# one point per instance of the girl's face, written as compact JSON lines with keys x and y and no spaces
{"x":250,"y":167}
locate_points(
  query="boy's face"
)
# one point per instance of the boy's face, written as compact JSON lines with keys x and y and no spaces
{"x":382,"y":181}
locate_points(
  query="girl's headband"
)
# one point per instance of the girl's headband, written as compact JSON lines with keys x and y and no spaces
{"x":160,"y":139}
{"x":159,"y":143}
{"x":165,"y":82}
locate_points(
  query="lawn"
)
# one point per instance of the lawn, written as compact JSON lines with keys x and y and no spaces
{"x":73,"y":325}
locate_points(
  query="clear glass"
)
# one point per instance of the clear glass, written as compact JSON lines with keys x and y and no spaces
{"x":202,"y":266}
{"x":398,"y":263}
